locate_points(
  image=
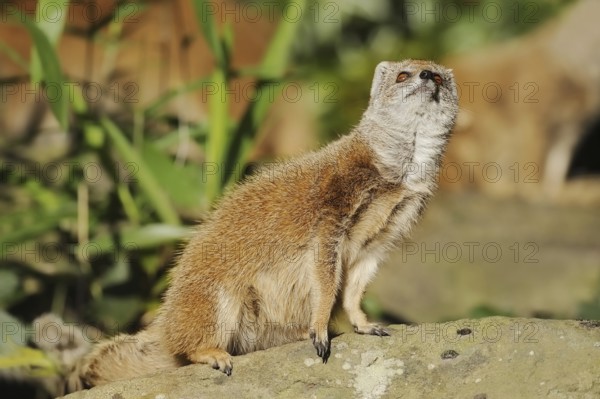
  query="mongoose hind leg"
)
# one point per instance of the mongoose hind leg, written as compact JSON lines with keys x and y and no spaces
{"x":217,"y":358}
{"x":354,"y":287}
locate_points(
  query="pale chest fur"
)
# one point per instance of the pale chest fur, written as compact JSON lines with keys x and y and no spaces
{"x":381,"y":221}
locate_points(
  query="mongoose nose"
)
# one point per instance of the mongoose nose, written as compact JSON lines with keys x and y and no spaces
{"x":426,"y":74}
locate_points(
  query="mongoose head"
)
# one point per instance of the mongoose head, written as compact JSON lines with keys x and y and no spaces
{"x":411,"y":93}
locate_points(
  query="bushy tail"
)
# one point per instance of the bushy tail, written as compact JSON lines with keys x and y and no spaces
{"x":85,"y":364}
{"x":120,"y":358}
{"x":64,"y":343}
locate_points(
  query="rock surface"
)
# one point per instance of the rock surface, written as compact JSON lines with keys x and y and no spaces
{"x":495,"y":357}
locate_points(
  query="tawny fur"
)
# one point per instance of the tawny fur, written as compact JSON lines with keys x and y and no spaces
{"x":282,"y":248}
{"x":122,"y":357}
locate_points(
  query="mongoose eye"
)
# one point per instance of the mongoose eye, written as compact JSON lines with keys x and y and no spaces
{"x":402,"y":76}
{"x":437,"y":79}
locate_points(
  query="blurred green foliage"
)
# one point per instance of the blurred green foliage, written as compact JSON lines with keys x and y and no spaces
{"x":98,"y":253}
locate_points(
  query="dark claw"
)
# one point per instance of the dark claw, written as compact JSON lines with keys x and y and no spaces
{"x":323,"y":349}
{"x":228,"y":370}
{"x":215,"y":366}
{"x":380,"y":332}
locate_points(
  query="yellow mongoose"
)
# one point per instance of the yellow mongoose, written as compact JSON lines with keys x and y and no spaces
{"x":283,"y":247}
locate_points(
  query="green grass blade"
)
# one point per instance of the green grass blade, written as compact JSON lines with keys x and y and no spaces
{"x":52,"y":74}
{"x":217,"y":140}
{"x":278,"y":53}
{"x":155,"y":193}
{"x":139,"y":238}
{"x":186,"y":190}
{"x":50,"y":17}
{"x":129,"y":206}
{"x":205,"y":12}
{"x":273,"y":66}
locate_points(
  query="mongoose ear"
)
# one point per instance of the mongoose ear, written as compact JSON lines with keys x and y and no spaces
{"x":379,"y":78}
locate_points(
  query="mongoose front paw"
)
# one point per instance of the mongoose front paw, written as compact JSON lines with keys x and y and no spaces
{"x":371,"y":329}
{"x":322,"y":345}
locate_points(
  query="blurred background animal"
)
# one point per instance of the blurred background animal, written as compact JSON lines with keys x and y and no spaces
{"x":530,"y":114}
